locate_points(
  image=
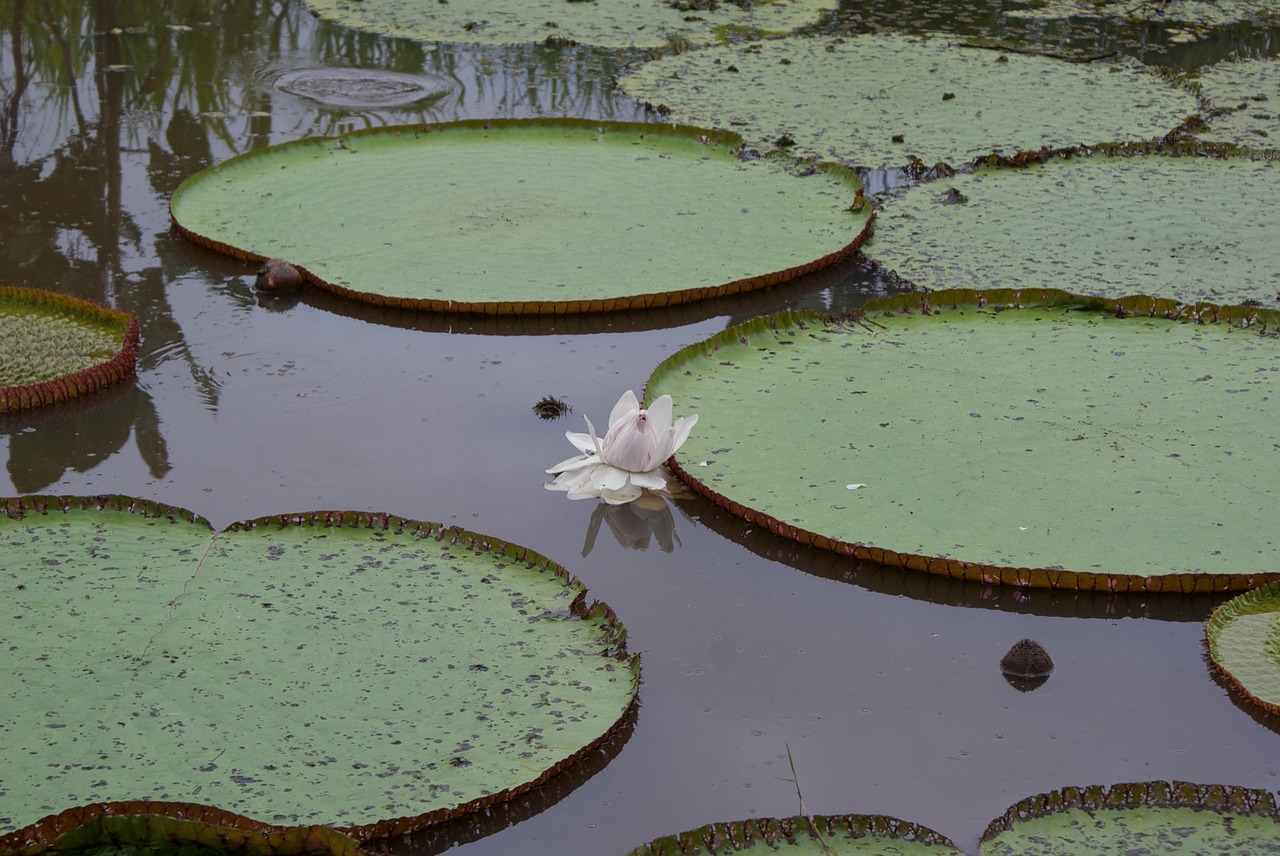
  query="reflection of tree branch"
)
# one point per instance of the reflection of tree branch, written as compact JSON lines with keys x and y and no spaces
{"x":9,"y":124}
{"x":68,"y":70}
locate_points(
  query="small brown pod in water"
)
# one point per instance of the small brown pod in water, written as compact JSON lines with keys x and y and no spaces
{"x":277,"y":275}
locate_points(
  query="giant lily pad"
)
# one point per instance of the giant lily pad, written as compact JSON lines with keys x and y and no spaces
{"x":170,"y":830}
{"x":1138,"y":819}
{"x":819,"y":835}
{"x":1035,"y":439}
{"x":1243,"y":635}
{"x":550,"y":216}
{"x":879,"y":100}
{"x":54,"y":347}
{"x":1188,"y":229}
{"x":645,"y":24}
{"x":1199,"y":12}
{"x":1249,"y":90}
{"x":354,"y":670}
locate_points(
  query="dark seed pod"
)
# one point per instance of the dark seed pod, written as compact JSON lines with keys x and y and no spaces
{"x":1027,"y":665}
{"x":277,"y":275}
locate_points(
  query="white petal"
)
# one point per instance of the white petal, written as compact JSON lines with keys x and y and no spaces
{"x":626,"y":493}
{"x":655,"y":479}
{"x":681,"y":430}
{"x":660,"y":414}
{"x":595,"y":441}
{"x":610,"y":478}
{"x":627,"y":403}
{"x":577,"y":462}
{"x":583,"y":442}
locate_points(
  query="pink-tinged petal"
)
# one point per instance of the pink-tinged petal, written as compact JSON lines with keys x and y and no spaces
{"x":631,"y":444}
{"x":660,"y":414}
{"x":626,"y":404}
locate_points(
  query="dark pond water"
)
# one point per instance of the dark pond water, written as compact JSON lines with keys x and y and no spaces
{"x":886,"y":688}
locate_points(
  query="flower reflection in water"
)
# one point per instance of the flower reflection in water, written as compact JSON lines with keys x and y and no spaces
{"x":619,"y":468}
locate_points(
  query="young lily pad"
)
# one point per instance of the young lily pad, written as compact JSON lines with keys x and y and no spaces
{"x":54,"y":347}
{"x":1187,"y":229}
{"x":543,"y":216}
{"x":1243,"y":636}
{"x":1138,"y":819}
{"x":1249,"y":90}
{"x":170,"y":830}
{"x":354,"y":670}
{"x":1209,"y":13}
{"x":644,"y":24}
{"x":797,"y":836}
{"x":1035,"y":439}
{"x":879,"y":100}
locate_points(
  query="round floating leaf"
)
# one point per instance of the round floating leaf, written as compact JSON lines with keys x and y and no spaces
{"x":54,"y":347}
{"x":171,"y":830}
{"x":1243,"y":635}
{"x":1138,"y":819}
{"x":879,"y":100}
{"x":1208,"y":13}
{"x":1249,"y":91}
{"x":819,"y":835}
{"x":645,"y":24}
{"x":353,"y":670}
{"x":1032,"y":439}
{"x":1188,"y":229}
{"x":541,"y":216}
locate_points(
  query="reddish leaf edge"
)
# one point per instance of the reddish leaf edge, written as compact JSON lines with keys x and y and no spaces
{"x":1224,"y":613}
{"x":1265,"y":322}
{"x":717,"y":839}
{"x":1223,"y":799}
{"x":43,"y":835}
{"x":634,"y":302}
{"x":123,"y":365}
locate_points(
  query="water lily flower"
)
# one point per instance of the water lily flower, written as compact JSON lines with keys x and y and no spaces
{"x":618,"y":468}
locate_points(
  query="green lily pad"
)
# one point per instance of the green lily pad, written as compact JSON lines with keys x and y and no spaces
{"x":1243,"y":636}
{"x":1138,"y":819}
{"x":1214,"y":13}
{"x":1187,"y":229}
{"x":54,"y":347}
{"x":819,"y":835}
{"x":354,"y":670}
{"x":1250,"y":90}
{"x":880,"y":100}
{"x":172,"y":830}
{"x":1035,"y":439}
{"x":644,"y":24}
{"x":544,"y":216}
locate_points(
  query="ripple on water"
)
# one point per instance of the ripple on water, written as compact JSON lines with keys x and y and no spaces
{"x":362,"y":87}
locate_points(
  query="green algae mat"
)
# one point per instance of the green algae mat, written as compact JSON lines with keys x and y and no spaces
{"x":1029,"y":438}
{"x":1138,"y":819}
{"x":1185,"y":228}
{"x":54,"y":347}
{"x":550,"y":217}
{"x":605,"y":23}
{"x":880,"y":100}
{"x":354,"y":670}
{"x":819,"y":835}
{"x":1243,"y":636}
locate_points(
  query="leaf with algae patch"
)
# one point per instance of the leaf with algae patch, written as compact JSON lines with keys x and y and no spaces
{"x":1185,"y":228}
{"x":1030,"y":438}
{"x":1209,"y":13}
{"x":527,"y":216}
{"x":879,"y":100}
{"x":641,"y":24}
{"x":1248,"y":91}
{"x":1243,"y":637}
{"x":54,"y":347}
{"x":818,"y":835}
{"x":1138,"y":819}
{"x":355,"y":670}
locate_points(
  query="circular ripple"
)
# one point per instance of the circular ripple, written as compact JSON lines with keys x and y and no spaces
{"x":356,"y":87}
